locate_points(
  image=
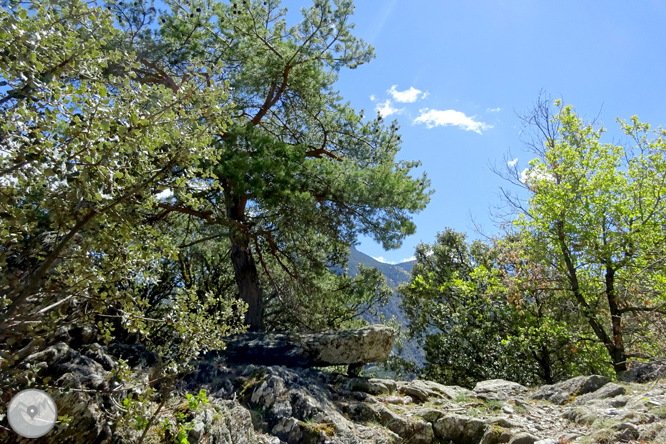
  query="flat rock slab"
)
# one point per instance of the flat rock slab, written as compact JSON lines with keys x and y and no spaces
{"x":348,"y":347}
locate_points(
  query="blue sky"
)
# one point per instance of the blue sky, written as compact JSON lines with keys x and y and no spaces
{"x":476,"y":64}
{"x":456,"y":74}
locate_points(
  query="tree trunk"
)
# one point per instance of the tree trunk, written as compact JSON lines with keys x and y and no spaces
{"x":245,"y":269}
{"x":543,"y":360}
{"x":614,"y":345}
{"x":616,"y":349}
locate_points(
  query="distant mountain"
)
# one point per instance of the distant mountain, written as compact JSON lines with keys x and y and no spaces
{"x":395,"y":274}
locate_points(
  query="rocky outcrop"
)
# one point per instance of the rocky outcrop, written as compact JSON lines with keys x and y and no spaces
{"x":566,"y":391}
{"x":308,"y":406}
{"x":258,"y":404}
{"x":350,"y":347}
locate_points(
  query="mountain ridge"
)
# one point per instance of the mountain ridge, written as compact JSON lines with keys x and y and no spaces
{"x":395,"y":274}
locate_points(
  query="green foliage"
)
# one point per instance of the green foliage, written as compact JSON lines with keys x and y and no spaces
{"x":156,"y":167}
{"x":90,"y":136}
{"x":467,"y":305}
{"x":494,"y":404}
{"x":596,"y":215}
{"x":299,"y":173}
{"x":454,"y":312}
{"x":194,"y":401}
{"x":137,"y":409}
{"x":462,"y":398}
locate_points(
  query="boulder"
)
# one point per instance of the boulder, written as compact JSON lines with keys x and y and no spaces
{"x":644,"y":371}
{"x":498,"y":389}
{"x":412,"y":430}
{"x":349,"y":347}
{"x":422,"y":390}
{"x":625,"y":432}
{"x":460,"y":429}
{"x":610,"y":390}
{"x":566,"y":391}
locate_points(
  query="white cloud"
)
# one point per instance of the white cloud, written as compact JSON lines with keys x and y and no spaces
{"x":164,"y":194}
{"x":410,"y":95}
{"x":385,"y":109}
{"x":494,"y":110}
{"x":372,"y":97}
{"x":381,"y":259}
{"x":512,"y":163}
{"x":435,"y":117}
{"x":531,"y":175}
{"x":386,"y":261}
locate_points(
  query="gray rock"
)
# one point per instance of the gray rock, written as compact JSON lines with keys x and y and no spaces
{"x":422,"y":390}
{"x":429,"y":415}
{"x":503,"y":422}
{"x":222,"y":422}
{"x":644,"y":371}
{"x":495,"y":435}
{"x":393,"y":399}
{"x":610,"y":390}
{"x":460,"y":429}
{"x":349,"y":347}
{"x":619,"y":401}
{"x":498,"y":389}
{"x":566,"y":391}
{"x":266,"y":393}
{"x":73,"y":370}
{"x":372,"y":386}
{"x":625,"y":432}
{"x":414,"y":430}
{"x":523,"y":438}
{"x":581,"y":415}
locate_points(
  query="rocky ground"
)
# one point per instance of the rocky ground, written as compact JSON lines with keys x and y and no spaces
{"x":253,"y":404}
{"x":308,"y":406}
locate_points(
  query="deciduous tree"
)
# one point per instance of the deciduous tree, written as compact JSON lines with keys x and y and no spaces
{"x":596,"y":214}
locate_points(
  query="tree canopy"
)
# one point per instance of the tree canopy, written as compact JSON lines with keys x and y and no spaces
{"x":299,"y":174}
{"x":163,"y":172}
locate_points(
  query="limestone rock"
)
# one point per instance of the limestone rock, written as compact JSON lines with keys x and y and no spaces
{"x":523,"y":438}
{"x":350,"y":347}
{"x":73,"y":369}
{"x":255,"y":404}
{"x":460,"y":429}
{"x":222,"y":422}
{"x":422,"y":390}
{"x":564,"y":391}
{"x":498,"y":389}
{"x":610,"y":390}
{"x":411,"y":430}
